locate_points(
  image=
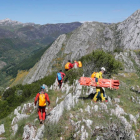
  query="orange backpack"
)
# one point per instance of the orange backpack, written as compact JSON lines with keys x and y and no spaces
{"x":67,"y":66}
{"x":93,"y":75}
{"x":42,"y":100}
{"x":80,"y":64}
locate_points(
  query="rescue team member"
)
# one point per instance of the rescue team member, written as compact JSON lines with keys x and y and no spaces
{"x":68,"y":65}
{"x":75,"y":64}
{"x":42,"y":98}
{"x":60,"y":76}
{"x":99,"y":90}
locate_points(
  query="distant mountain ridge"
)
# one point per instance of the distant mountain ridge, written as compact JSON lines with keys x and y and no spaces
{"x":28,"y":37}
{"x":32,"y":31}
{"x":10,"y":22}
{"x":20,"y":41}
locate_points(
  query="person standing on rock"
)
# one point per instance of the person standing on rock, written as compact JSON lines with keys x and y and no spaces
{"x":75,"y":64}
{"x":99,"y":90}
{"x":60,"y":76}
{"x":68,"y":65}
{"x":42,"y":98}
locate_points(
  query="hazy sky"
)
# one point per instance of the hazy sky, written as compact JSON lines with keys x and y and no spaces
{"x":63,"y":11}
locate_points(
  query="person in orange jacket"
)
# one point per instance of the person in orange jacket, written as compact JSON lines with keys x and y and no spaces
{"x":60,"y":76}
{"x":42,"y":98}
{"x":68,"y":65}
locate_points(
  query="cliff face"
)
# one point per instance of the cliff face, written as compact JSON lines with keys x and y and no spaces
{"x":41,"y":68}
{"x":88,"y":37}
{"x":129,"y":31}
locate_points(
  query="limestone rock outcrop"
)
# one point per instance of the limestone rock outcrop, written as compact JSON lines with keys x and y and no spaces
{"x":2,"y":130}
{"x":88,"y":37}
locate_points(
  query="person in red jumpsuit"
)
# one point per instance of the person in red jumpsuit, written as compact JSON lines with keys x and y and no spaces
{"x":42,"y":98}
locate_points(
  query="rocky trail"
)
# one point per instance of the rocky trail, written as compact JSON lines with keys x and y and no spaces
{"x":86,"y":119}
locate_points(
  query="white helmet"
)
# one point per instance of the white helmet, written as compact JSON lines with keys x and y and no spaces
{"x":103,"y":68}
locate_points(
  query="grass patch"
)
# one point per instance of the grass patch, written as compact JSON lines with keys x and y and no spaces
{"x":97,"y":59}
{"x":73,"y":74}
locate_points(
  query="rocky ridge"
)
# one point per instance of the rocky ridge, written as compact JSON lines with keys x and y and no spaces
{"x":90,"y":36}
{"x":87,"y":125}
{"x":9,"y":22}
{"x":129,"y":31}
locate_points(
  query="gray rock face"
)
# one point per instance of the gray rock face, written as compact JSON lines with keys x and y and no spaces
{"x":132,"y":119}
{"x":29,"y":106}
{"x":117,"y":100}
{"x":96,"y":108}
{"x":69,"y":101}
{"x":88,"y":123}
{"x":118,"y":111}
{"x":15,"y":128}
{"x":41,"y":68}
{"x":130,"y":31}
{"x":126,"y":59}
{"x":29,"y":132}
{"x":84,"y":134}
{"x":57,"y":112}
{"x":40,"y":133}
{"x":2,"y":130}
{"x":88,"y":109}
{"x":88,"y":37}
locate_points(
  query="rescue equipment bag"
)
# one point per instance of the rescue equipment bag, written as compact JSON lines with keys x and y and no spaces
{"x":59,"y":76}
{"x":93,"y":75}
{"x":67,"y":66}
{"x":42,"y":100}
{"x":107,"y":83}
{"x":80,"y":64}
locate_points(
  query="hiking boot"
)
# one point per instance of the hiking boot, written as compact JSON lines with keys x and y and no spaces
{"x":43,"y":121}
{"x":94,"y":101}
{"x":104,"y":101}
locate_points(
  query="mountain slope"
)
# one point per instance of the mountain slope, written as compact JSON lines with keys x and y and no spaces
{"x":77,"y":116}
{"x":129,"y":31}
{"x":88,"y":37}
{"x":22,"y":39}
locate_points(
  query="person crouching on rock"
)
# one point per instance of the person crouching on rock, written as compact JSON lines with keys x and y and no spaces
{"x":60,"y":76}
{"x":42,"y":98}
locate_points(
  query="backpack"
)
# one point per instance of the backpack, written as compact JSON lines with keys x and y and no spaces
{"x":42,"y":100}
{"x":93,"y":75}
{"x":67,"y":66}
{"x":80,"y":64}
{"x":59,"y":76}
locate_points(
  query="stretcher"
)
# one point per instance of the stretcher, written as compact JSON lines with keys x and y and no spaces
{"x":107,"y":83}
